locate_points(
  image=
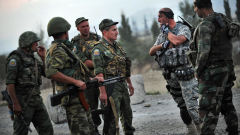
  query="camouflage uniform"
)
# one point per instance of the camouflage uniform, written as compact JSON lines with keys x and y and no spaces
{"x":20,"y":71}
{"x":83,"y":51}
{"x":214,"y":67}
{"x":104,"y":63}
{"x":184,"y":92}
{"x":59,"y":58}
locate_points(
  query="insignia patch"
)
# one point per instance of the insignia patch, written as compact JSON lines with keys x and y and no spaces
{"x":74,"y":49}
{"x":12,"y":62}
{"x":107,"y":52}
{"x":96,"y":52}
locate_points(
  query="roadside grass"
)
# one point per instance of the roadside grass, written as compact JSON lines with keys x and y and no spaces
{"x":153,"y":93}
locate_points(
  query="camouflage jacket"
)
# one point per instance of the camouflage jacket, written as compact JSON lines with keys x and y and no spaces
{"x":103,"y":58}
{"x":60,"y":58}
{"x":209,"y":42}
{"x":21,"y":71}
{"x":84,"y":46}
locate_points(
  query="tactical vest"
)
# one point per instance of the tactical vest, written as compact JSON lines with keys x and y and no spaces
{"x":87,"y":45}
{"x":26,"y":74}
{"x":221,"y":45}
{"x":78,"y":70}
{"x":176,"y":56}
{"x":119,"y":65}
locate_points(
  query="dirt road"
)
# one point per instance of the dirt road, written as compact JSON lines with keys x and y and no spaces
{"x":159,"y":119}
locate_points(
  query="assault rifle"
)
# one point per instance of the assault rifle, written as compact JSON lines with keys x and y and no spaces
{"x":10,"y":105}
{"x":56,"y":99}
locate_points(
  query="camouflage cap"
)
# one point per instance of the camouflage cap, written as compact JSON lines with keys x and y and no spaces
{"x":27,"y":38}
{"x":57,"y":25}
{"x":106,"y":23}
{"x":79,"y":20}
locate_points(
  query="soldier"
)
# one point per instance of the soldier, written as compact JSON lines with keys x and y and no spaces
{"x":65,"y":69}
{"x":109,"y":61}
{"x":23,"y":80}
{"x":211,"y":56}
{"x":83,"y":42}
{"x":170,"y":51}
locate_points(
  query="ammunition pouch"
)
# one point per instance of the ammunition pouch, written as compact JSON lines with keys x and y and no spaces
{"x":128,"y":67}
{"x":166,"y":74}
{"x":185,"y":74}
{"x":182,"y":55}
{"x":171,"y":57}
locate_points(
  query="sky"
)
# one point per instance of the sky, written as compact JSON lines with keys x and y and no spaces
{"x":18,"y":16}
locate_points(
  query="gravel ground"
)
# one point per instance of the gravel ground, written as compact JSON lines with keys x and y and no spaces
{"x":158,"y":119}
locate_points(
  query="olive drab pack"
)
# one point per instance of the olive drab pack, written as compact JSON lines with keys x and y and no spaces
{"x":118,"y":64}
{"x":175,"y":56}
{"x":27,"y":73}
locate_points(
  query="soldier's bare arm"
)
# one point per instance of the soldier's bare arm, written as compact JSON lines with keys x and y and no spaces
{"x":16,"y":106}
{"x":154,"y":49}
{"x":130,"y":86}
{"x":103,"y":94}
{"x":59,"y":77}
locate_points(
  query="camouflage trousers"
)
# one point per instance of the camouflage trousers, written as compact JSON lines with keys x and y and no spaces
{"x":121,"y":100}
{"x":79,"y":121}
{"x":185,"y":94}
{"x":91,"y":96}
{"x":215,"y":97}
{"x":38,"y":116}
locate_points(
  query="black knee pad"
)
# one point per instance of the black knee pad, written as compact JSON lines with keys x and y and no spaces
{"x":185,"y":115}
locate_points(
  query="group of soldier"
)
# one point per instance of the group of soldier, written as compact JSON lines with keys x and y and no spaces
{"x":205,"y":72}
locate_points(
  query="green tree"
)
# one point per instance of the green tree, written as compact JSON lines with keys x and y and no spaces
{"x":187,"y":12}
{"x":41,"y":33}
{"x":155,"y":29}
{"x":238,"y":10}
{"x":2,"y":66}
{"x":227,"y":9}
{"x":125,"y":31}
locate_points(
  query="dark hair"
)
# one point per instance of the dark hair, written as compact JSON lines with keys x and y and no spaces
{"x":58,"y":35}
{"x":203,"y":4}
{"x":167,"y":12}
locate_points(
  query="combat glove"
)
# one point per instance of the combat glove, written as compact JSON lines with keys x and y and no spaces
{"x":165,"y":29}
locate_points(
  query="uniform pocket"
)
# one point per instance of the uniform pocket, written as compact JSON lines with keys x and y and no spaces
{"x":205,"y":100}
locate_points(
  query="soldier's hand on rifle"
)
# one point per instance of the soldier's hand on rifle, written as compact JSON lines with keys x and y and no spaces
{"x":100,"y":79}
{"x":81,"y":85}
{"x":131,"y":89}
{"x":17,"y":110}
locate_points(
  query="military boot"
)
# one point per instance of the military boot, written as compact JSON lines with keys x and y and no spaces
{"x":96,"y":131}
{"x":191,"y":129}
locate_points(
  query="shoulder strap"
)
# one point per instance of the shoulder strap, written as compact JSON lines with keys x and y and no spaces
{"x":36,"y":75}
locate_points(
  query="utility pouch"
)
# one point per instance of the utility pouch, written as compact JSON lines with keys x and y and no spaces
{"x":184,"y":75}
{"x":192,"y":57}
{"x":167,"y":74}
{"x":234,"y":28}
{"x":182,"y":53}
{"x":128,"y":66}
{"x":162,"y":60}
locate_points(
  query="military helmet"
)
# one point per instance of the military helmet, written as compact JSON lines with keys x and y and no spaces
{"x":57,"y":25}
{"x":27,"y":38}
